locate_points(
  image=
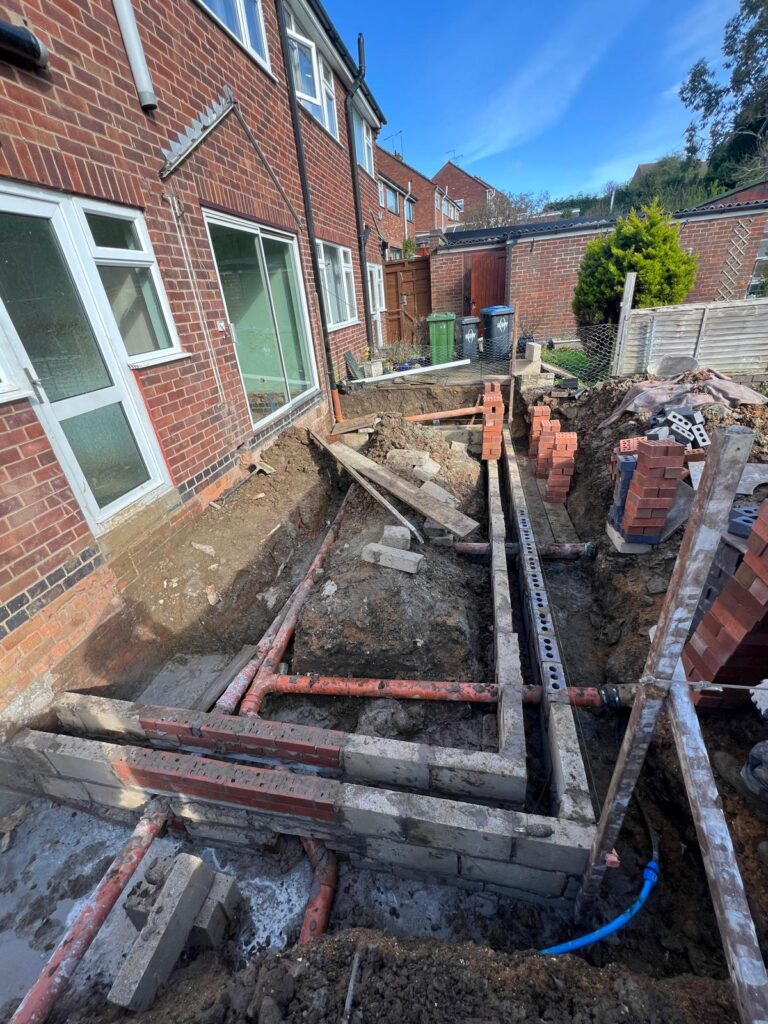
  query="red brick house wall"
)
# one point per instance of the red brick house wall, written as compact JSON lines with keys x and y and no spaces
{"x":542,"y":271}
{"x":461,"y":185}
{"x":426,"y":217}
{"x":80,"y":130}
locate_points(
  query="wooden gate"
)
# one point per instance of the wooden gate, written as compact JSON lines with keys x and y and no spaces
{"x":486,"y":280}
{"x":407,"y":289}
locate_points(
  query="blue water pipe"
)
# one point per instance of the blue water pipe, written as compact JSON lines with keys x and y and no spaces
{"x":650,"y":878}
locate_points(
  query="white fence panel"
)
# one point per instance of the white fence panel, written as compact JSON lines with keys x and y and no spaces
{"x":727,"y":336}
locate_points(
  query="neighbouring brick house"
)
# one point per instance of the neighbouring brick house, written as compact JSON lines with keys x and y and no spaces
{"x":535,"y":265}
{"x":396,"y":218}
{"x":471,"y":193}
{"x":159,"y":315}
{"x":434,"y":211}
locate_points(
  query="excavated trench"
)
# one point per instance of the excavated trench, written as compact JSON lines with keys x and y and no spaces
{"x":354,"y":624}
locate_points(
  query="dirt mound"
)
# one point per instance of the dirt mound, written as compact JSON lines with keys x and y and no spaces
{"x":460,"y":473}
{"x":365,"y":620}
{"x":414,"y":981}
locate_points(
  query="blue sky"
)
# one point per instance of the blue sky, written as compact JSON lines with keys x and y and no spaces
{"x":534,"y":96}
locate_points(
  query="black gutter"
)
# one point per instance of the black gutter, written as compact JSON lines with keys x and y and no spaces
{"x":362,"y":237}
{"x":307,"y":197}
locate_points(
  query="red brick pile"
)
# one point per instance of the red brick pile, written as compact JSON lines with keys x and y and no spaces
{"x":493,"y":421}
{"x":553,"y":452}
{"x":730,"y":644}
{"x":562,"y":466}
{"x":627,"y":446}
{"x":652,"y":490}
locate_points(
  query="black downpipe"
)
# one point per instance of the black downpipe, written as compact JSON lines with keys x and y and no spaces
{"x":20,"y":45}
{"x":362,"y":237}
{"x":307,"y":197}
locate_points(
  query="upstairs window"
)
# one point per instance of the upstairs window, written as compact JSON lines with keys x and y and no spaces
{"x":437,"y":200}
{"x":393,"y":200}
{"x":409,"y":210}
{"x":363,"y":143}
{"x":382,"y":199}
{"x":244,"y":19}
{"x":312,"y":78}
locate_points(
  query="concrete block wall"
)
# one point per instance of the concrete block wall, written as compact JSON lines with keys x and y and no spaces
{"x":523,"y":855}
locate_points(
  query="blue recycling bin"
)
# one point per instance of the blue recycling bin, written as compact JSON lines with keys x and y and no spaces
{"x":497,"y":321}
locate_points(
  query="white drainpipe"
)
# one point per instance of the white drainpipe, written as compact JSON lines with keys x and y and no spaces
{"x":126,"y":19}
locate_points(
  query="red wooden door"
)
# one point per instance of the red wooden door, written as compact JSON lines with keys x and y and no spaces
{"x":487,"y":280}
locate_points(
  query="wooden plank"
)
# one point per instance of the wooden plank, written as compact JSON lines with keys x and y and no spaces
{"x":214,"y":690}
{"x":737,"y":929}
{"x":336,"y":451}
{"x":535,"y":505}
{"x":709,"y":517}
{"x":453,"y":520}
{"x":563,"y":529}
{"x":348,"y":426}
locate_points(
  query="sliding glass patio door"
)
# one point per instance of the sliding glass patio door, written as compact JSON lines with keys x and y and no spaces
{"x":262,"y":290}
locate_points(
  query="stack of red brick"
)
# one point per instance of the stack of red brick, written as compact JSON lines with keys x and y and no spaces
{"x":493,"y":420}
{"x":730,"y":644}
{"x":562,"y":466}
{"x":652,"y":490}
{"x":553,"y":451}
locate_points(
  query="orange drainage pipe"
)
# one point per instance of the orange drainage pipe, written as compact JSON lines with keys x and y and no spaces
{"x":55,"y":977}
{"x":325,"y":875}
{"x":446,"y":414}
{"x":343,"y":686}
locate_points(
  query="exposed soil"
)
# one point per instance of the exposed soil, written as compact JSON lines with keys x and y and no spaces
{"x":410,"y":981}
{"x":410,"y":399}
{"x":218,"y":583}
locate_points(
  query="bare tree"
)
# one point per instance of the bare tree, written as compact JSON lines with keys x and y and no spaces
{"x":503,"y":209}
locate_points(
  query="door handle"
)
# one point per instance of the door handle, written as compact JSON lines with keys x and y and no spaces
{"x":36,"y":384}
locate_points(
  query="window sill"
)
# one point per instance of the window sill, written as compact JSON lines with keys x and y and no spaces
{"x":14,"y":394}
{"x":340,"y":327}
{"x":157,"y":359}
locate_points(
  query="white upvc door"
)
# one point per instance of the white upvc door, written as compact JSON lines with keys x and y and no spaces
{"x":52,"y":329}
{"x":376,"y":295}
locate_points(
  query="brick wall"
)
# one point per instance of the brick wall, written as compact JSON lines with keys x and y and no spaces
{"x":426,"y":217}
{"x":447,"y":269}
{"x":81,"y":130}
{"x":392,"y":226}
{"x":542,"y":272}
{"x":460,"y":185}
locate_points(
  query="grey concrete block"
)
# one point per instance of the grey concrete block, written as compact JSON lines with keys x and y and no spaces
{"x":477,"y":774}
{"x":427,"y":470}
{"x":569,"y":780}
{"x":78,"y":712}
{"x":155,"y":952}
{"x":433,"y":529}
{"x":554,"y":904}
{"x":392,"y":558}
{"x":407,"y":856}
{"x":407,"y":458}
{"x":66,"y":790}
{"x":369,"y":812}
{"x":446,"y":541}
{"x":218,"y":911}
{"x":384,"y":762}
{"x":567,"y":850}
{"x":515,"y":876}
{"x":123,"y":797}
{"x":396,"y":537}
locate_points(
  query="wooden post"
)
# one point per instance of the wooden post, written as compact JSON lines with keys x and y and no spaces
{"x":737,"y":930}
{"x":621,"y":333}
{"x":708,"y":520}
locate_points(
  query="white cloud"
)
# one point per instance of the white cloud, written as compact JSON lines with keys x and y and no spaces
{"x":542,"y":91}
{"x":700,"y":32}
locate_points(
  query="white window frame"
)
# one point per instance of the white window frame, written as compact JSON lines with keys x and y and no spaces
{"x":61,"y":210}
{"x":348,"y":273}
{"x":301,"y":40}
{"x":214,"y":217}
{"x":382,"y":197}
{"x":437,"y":199}
{"x":365,"y":159}
{"x":390,"y":191}
{"x":143,"y":257}
{"x":410,"y":211}
{"x":244,"y":38}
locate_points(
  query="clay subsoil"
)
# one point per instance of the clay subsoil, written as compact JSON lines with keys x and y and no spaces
{"x":667,"y":966}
